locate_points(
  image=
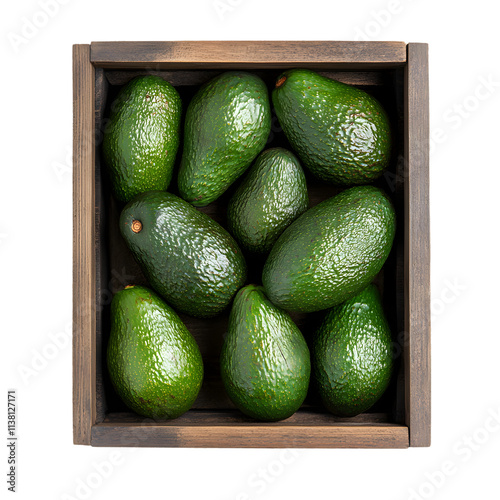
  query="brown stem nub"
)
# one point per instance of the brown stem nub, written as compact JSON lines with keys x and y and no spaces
{"x":129,"y":286}
{"x":280,"y":82}
{"x":136,"y":226}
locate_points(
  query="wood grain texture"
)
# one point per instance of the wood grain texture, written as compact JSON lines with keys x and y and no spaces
{"x":417,"y":250}
{"x":227,"y":436}
{"x":232,"y":430}
{"x":84,"y":280}
{"x":246,"y":54}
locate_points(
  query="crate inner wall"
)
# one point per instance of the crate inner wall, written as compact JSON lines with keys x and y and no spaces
{"x":116,"y":268}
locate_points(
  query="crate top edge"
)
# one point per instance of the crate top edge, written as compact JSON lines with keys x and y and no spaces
{"x":253,"y":42}
{"x":247,"y":53}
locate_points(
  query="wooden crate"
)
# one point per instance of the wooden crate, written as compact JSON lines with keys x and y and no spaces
{"x":397,"y":74}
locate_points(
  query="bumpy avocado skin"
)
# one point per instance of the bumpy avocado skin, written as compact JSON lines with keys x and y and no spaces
{"x":352,"y":356}
{"x":187,"y":257}
{"x":227,"y":125}
{"x":265,"y":361}
{"x":272,"y":195}
{"x":341,"y":133}
{"x":154,"y":362}
{"x":142,"y":137}
{"x":331,"y":252}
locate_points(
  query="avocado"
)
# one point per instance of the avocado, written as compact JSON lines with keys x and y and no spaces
{"x":265,"y":361}
{"x":352,"y":354}
{"x":153,"y":361}
{"x":331,"y":252}
{"x":272,"y":195}
{"x":142,"y":137}
{"x":227,"y":125}
{"x":341,"y":133}
{"x":188,"y":258}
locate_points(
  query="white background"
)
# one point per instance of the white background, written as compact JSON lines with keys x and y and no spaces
{"x":36,"y":253}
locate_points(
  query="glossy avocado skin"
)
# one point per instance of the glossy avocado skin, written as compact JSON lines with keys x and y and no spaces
{"x":341,"y":133}
{"x":154,"y":362}
{"x":189,"y":259}
{"x":142,"y":137}
{"x":351,"y":354}
{"x":331,"y":252}
{"x":265,"y":361}
{"x":272,"y":195}
{"x":227,"y":125}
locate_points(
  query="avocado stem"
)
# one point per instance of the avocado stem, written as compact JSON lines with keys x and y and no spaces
{"x":280,"y":82}
{"x":136,"y":226}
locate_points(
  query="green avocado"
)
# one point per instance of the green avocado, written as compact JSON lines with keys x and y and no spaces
{"x":265,"y":361}
{"x":352,"y":354}
{"x":272,"y":195}
{"x":341,"y":133}
{"x":153,"y":361}
{"x":188,"y":258}
{"x":142,"y":137}
{"x":227,"y":125}
{"x":331,"y":252}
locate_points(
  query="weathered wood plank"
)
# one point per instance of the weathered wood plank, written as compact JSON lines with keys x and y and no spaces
{"x":417,"y":248}
{"x":247,"y":54}
{"x":305,"y":429}
{"x":84,"y":281}
{"x":394,"y":436}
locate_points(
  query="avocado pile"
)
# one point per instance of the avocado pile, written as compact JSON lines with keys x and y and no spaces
{"x":322,"y":258}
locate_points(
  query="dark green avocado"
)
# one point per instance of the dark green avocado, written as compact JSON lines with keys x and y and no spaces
{"x":227,"y":125}
{"x":187,"y":257}
{"x":272,"y":195}
{"x":265,"y":362}
{"x":331,"y":252}
{"x":352,"y":355}
{"x":142,"y":137}
{"x":341,"y":133}
{"x":154,"y":362}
